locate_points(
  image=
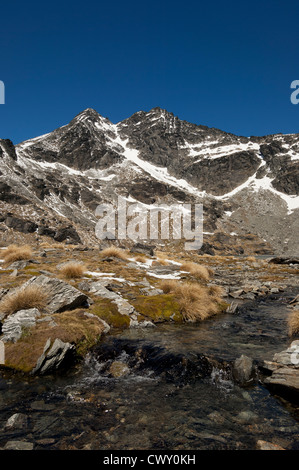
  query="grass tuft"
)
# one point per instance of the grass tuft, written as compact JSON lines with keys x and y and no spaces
{"x":197,"y":270}
{"x":73,"y":270}
{"x":114,"y":251}
{"x":196,"y":302}
{"x":140,"y":258}
{"x":16,"y":253}
{"x":28,"y":297}
{"x":293,"y":323}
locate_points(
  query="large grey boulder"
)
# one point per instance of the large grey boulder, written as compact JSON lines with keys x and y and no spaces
{"x":53,"y":356}
{"x":61,"y":295}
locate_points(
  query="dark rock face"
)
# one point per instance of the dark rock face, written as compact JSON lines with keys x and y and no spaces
{"x":21,"y":225}
{"x":43,"y":230}
{"x":284,"y":260}
{"x":9,"y":148}
{"x":222,"y":175}
{"x":8,"y":195}
{"x":67,"y":233}
{"x":287,"y":180}
{"x":145,"y":249}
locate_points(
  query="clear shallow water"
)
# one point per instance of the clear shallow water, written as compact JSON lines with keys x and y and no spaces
{"x":164,"y":402}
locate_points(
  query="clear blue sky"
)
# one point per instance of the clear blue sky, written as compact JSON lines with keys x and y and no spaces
{"x":225,"y":64}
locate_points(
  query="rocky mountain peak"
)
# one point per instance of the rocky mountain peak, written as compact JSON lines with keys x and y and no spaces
{"x":92,"y":120}
{"x":7,"y":148}
{"x":155,"y":157}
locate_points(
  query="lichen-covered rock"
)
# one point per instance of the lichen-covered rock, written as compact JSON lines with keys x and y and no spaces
{"x":14,"y":325}
{"x":123,"y":306}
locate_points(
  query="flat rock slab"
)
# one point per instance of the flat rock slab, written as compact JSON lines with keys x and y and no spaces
{"x":286,"y":377}
{"x":62,"y":296}
{"x":284,"y":370}
{"x":165,"y":269}
{"x":18,"y":445}
{"x":264,"y":445}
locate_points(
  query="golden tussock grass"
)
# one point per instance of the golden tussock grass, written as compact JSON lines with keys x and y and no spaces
{"x":196,"y":302}
{"x":140,"y":258}
{"x":16,"y":253}
{"x":53,"y":245}
{"x":114,"y":251}
{"x":74,"y":326}
{"x":161,"y":258}
{"x":73,"y":270}
{"x":160,"y":262}
{"x":251,"y":259}
{"x":293,"y":323}
{"x":28,"y":297}
{"x":197,"y":270}
{"x":169,"y":285}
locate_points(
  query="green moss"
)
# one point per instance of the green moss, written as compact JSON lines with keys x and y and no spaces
{"x":32,"y":272}
{"x":223,"y":306}
{"x":83,"y":346}
{"x":158,"y":308}
{"x":108,"y":311}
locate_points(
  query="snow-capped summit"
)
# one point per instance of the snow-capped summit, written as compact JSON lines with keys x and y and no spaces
{"x":155,"y":157}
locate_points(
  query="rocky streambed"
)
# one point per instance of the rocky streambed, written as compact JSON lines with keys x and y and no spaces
{"x":164,"y":387}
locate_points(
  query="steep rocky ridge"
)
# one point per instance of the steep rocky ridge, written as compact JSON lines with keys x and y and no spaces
{"x":247,"y":185}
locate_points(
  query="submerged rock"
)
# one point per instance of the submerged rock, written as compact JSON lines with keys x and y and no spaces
{"x":118,"y":369}
{"x":243,"y":370}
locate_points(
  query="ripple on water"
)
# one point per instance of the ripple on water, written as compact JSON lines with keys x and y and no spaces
{"x":148,"y":407}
